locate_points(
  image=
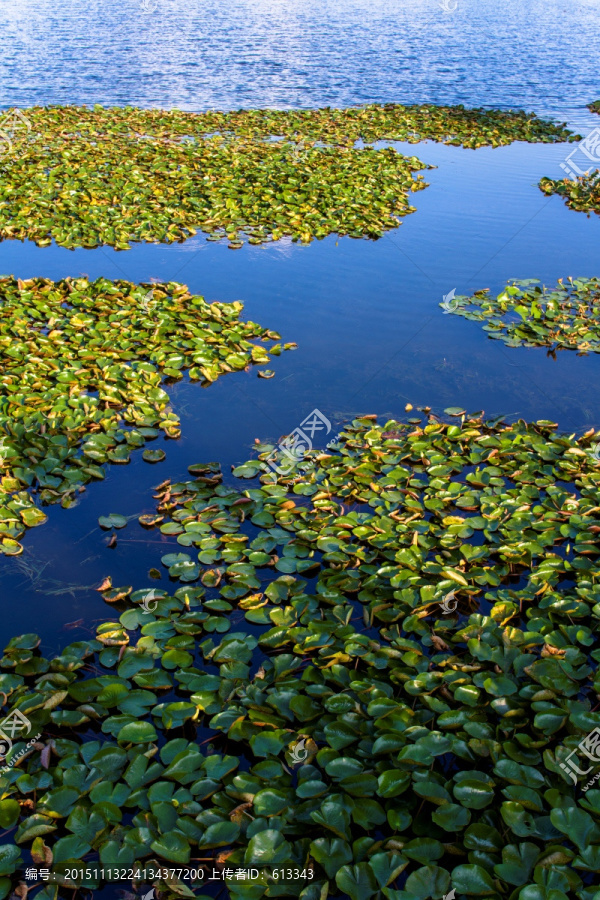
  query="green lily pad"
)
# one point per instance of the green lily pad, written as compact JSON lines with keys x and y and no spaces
{"x":154,"y":456}
{"x":137,"y":733}
{"x":114,"y":520}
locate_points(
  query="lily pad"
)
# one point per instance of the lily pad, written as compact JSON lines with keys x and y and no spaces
{"x":154,"y":456}
{"x":114,"y":520}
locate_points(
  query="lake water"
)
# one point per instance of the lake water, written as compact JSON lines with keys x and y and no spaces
{"x":371,"y":336}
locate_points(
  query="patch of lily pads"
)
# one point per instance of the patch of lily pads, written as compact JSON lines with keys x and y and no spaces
{"x":81,"y":370}
{"x":84,"y":177}
{"x":455,"y":125}
{"x":528,"y":314}
{"x":309,"y":608}
{"x":581,"y":193}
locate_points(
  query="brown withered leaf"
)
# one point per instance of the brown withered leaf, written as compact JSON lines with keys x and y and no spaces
{"x":438,"y":643}
{"x":238,"y":814}
{"x":41,"y":854}
{"x":549,"y":650}
{"x":106,"y":584}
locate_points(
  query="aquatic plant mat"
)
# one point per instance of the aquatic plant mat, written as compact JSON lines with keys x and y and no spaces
{"x":85,"y":177}
{"x":81,"y":367}
{"x":420,"y":608}
{"x":527,"y":314}
{"x":581,"y":193}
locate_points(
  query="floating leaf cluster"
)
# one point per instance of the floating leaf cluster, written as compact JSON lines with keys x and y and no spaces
{"x":81,"y":366}
{"x":448,"y":124}
{"x":85,"y":177}
{"x":527,"y":314}
{"x":581,"y":194}
{"x":433,"y":742}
